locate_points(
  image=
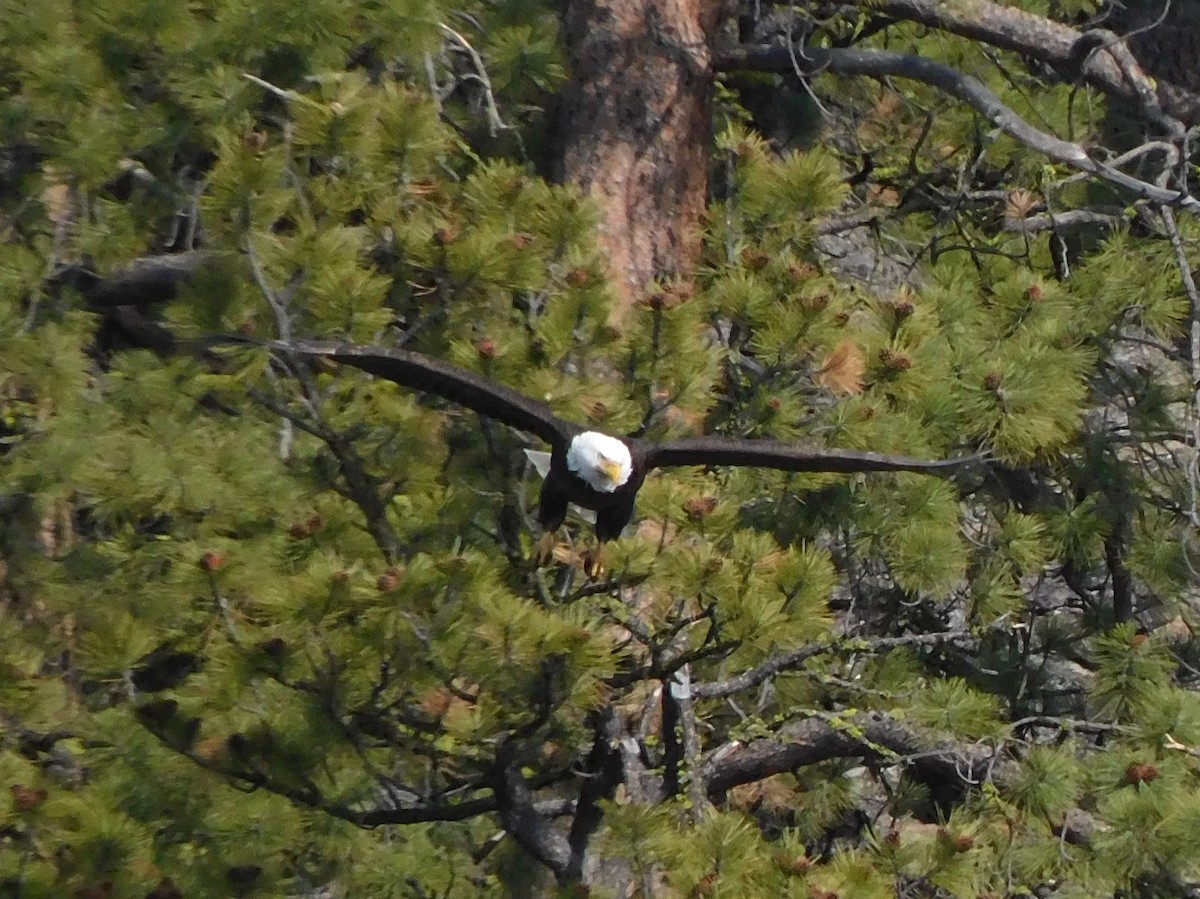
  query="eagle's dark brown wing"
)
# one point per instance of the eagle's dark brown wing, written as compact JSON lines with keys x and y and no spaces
{"x":431,"y":375}
{"x":783,"y":455}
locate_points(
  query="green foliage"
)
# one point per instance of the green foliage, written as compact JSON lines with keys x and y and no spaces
{"x":951,"y":705}
{"x":1130,"y":675}
{"x":246,"y":605}
{"x":1046,"y":784}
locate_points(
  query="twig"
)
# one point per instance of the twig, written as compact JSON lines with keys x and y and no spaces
{"x":283,"y":324}
{"x":1169,"y":742}
{"x":495,"y":122}
{"x":277,"y":91}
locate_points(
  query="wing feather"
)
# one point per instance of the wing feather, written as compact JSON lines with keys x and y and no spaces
{"x":785,"y":456}
{"x":431,"y":375}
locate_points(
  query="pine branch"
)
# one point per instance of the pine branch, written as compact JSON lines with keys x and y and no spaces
{"x":885,"y":64}
{"x":360,"y":488}
{"x":249,"y":780}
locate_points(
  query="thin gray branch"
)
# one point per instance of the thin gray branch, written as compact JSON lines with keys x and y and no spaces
{"x":1193,"y":416}
{"x":886,"y":64}
{"x":1092,"y":56}
{"x":1094,"y":217}
{"x":495,"y":123}
{"x":797,"y":657}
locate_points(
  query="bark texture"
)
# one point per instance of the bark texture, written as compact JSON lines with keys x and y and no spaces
{"x":636,"y":129}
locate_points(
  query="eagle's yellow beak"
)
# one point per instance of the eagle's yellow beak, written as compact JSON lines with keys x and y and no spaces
{"x":611,"y":469}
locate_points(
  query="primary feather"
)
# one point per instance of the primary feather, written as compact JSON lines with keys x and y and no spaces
{"x":782,"y":455}
{"x":451,"y":382}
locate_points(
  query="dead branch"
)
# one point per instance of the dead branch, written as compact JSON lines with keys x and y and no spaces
{"x":797,"y":657}
{"x":1097,"y":58}
{"x":869,"y":735}
{"x":886,"y":64}
{"x":1071,"y":220}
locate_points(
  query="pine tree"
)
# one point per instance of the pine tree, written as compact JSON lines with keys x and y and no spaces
{"x":276,"y":629}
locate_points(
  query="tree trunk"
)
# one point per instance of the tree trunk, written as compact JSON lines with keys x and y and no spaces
{"x":636,"y":127}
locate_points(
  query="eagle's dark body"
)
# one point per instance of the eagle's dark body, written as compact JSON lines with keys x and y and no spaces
{"x":562,"y":486}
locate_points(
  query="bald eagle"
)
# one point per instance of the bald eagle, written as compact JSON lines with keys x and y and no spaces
{"x":591,"y":469}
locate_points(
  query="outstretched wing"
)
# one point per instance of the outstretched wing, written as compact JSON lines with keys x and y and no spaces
{"x":430,"y":375}
{"x":784,"y":455}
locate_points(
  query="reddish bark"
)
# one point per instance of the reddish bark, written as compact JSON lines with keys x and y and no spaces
{"x":636,"y":128}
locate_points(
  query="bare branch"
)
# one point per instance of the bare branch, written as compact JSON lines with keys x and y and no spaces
{"x":1099,"y":58}
{"x":868,"y":734}
{"x":1095,"y":217}
{"x":797,"y":657}
{"x":886,"y":64}
{"x":279,"y":92}
{"x":495,"y":123}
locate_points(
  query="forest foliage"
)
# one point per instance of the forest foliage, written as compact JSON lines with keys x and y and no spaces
{"x":271,"y":629}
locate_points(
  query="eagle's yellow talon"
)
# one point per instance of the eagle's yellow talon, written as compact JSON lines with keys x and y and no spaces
{"x":543,"y":552}
{"x":593,"y":564}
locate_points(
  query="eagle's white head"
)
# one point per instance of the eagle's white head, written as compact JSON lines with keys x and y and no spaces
{"x":602,"y":461}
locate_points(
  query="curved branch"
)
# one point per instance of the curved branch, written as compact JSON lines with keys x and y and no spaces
{"x":885,"y":64}
{"x":868,"y":734}
{"x":1105,"y":62}
{"x":249,"y":780}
